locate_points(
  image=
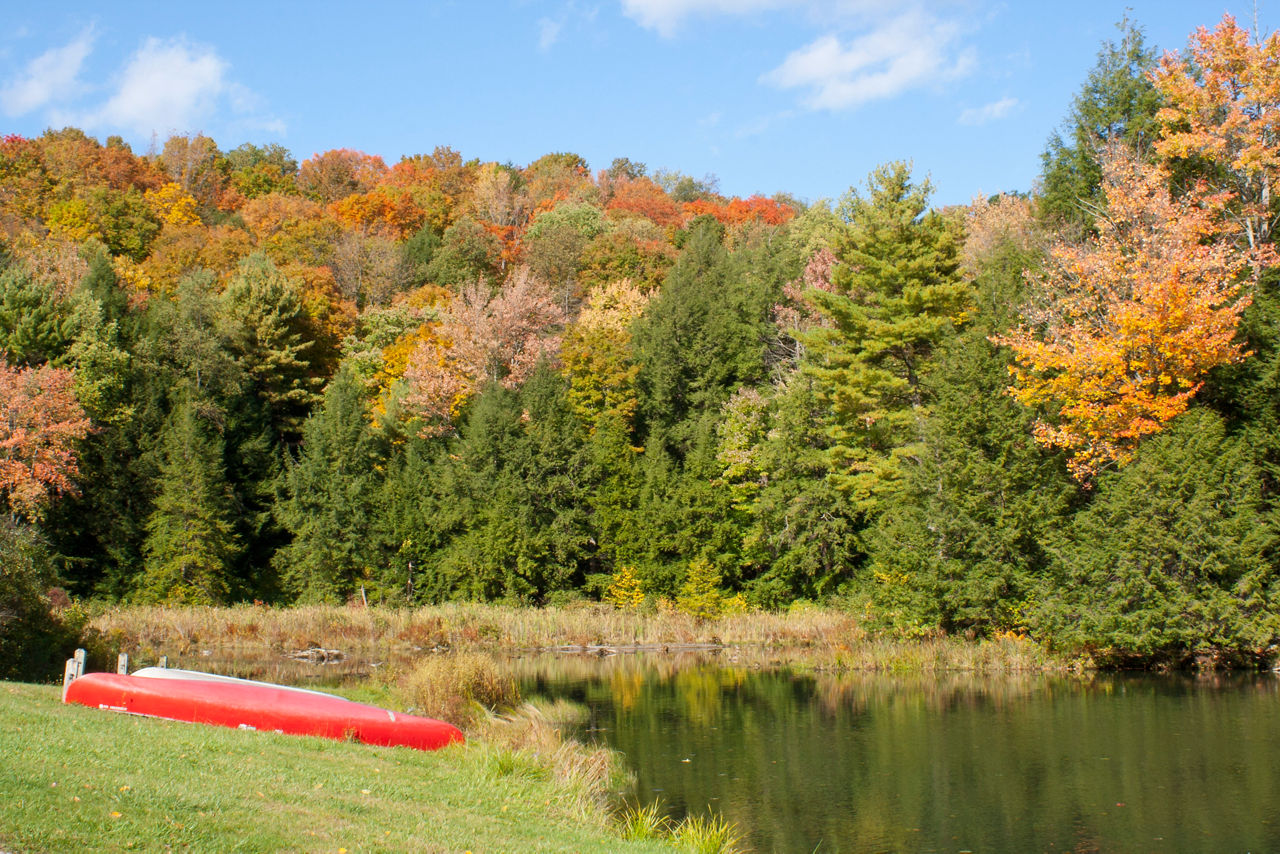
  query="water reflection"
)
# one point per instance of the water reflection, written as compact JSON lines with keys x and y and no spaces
{"x":859,"y":763}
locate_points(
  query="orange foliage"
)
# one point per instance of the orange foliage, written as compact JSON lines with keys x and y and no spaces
{"x":644,"y":198}
{"x":737,"y":211}
{"x":395,"y":215}
{"x":40,"y":425}
{"x":339,"y":173}
{"x":272,"y":212}
{"x":1223,"y":104}
{"x":329,"y":316}
{"x":1130,"y":322}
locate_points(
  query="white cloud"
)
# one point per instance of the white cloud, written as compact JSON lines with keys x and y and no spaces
{"x":908,"y":51}
{"x":988,"y":112}
{"x":548,"y":33}
{"x":165,"y":86}
{"x":665,"y":16}
{"x":51,"y":77}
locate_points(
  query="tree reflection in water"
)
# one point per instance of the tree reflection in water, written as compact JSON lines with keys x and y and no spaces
{"x":865,"y":762}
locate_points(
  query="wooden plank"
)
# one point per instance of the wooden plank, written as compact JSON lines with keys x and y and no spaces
{"x":68,"y":676}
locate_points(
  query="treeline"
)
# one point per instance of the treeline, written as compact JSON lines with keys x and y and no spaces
{"x":230,"y":376}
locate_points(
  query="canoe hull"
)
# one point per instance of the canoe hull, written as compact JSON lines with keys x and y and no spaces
{"x":260,"y":706}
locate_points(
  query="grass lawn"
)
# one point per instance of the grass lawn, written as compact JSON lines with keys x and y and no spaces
{"x":78,"y":779}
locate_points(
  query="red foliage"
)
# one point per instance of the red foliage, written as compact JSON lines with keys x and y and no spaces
{"x":40,"y":424}
{"x":642,"y":197}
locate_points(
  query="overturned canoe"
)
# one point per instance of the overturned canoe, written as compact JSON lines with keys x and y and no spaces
{"x":245,"y":704}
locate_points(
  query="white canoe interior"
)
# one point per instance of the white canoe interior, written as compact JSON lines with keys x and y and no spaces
{"x":175,"y":673}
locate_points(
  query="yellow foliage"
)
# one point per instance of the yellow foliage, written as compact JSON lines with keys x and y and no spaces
{"x":133,"y":274}
{"x":173,"y":205}
{"x":625,"y":591}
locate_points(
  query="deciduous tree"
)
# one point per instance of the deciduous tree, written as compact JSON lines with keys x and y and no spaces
{"x":1222,"y":105}
{"x":1126,"y":326}
{"x":40,"y":425}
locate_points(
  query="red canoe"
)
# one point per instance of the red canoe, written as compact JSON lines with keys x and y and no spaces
{"x":245,"y":704}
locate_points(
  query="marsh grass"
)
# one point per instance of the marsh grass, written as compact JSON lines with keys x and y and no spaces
{"x":810,"y":637}
{"x":458,"y":688}
{"x":706,"y":834}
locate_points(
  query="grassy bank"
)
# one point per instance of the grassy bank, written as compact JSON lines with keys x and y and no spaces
{"x":810,"y":637}
{"x":77,"y":779}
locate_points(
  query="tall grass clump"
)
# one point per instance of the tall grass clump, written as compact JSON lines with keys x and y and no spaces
{"x":459,"y":688}
{"x":531,"y":740}
{"x":707,"y":835}
{"x":644,"y":821}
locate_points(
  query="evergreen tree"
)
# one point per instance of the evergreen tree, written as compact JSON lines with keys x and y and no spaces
{"x":701,"y":337}
{"x":264,"y":324}
{"x":1116,"y":105}
{"x":897,"y":294}
{"x":1175,"y":558}
{"x":330,"y":500}
{"x":960,"y":546}
{"x":191,"y":540}
{"x":800,"y":534}
{"x":36,"y":325}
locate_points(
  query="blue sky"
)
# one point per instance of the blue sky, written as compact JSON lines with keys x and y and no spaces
{"x":802,"y":96}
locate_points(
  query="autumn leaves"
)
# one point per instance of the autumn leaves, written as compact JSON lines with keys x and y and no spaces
{"x":1124,"y":326}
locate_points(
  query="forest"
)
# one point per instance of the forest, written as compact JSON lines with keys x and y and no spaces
{"x":229,"y":377}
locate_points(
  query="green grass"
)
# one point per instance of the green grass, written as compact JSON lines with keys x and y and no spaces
{"x":78,"y":779}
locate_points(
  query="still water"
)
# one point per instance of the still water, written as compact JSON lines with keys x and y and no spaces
{"x":867,"y":763}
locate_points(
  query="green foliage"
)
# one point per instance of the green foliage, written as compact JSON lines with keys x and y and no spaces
{"x":191,"y":540}
{"x":501,"y":511}
{"x":1116,"y":105}
{"x":897,"y":295}
{"x":1175,"y":557}
{"x":36,"y":325}
{"x":700,"y":596}
{"x":264,"y":325}
{"x":800,"y":534}
{"x":416,"y":254}
{"x":34,"y":640}
{"x":701,"y":337}
{"x":467,"y":252}
{"x":123,"y":220}
{"x":331,"y":500}
{"x":961,"y":544}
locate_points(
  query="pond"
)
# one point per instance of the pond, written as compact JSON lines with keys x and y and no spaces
{"x":870,"y":763}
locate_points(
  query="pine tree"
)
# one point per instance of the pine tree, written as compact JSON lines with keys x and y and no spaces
{"x":1117,"y":105}
{"x":191,"y":540}
{"x":330,"y":500}
{"x":961,"y":545}
{"x":897,"y":294}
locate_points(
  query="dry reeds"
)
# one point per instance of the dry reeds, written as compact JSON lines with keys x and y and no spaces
{"x":821,"y":638}
{"x":457,"y":688}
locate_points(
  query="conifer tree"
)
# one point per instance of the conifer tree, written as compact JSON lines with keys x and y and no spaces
{"x":1116,"y":106}
{"x":897,"y":294}
{"x":961,"y":545}
{"x":191,"y":540}
{"x":1175,"y":557}
{"x":264,"y":324}
{"x":330,"y":500}
{"x":700,"y":338}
